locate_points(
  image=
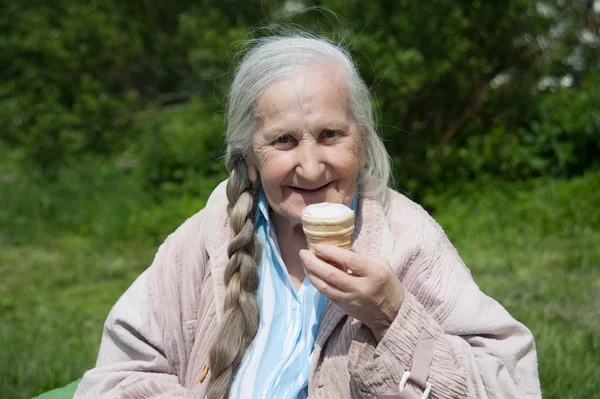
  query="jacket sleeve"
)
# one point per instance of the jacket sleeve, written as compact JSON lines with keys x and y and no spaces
{"x":455,"y":341}
{"x":143,"y":354}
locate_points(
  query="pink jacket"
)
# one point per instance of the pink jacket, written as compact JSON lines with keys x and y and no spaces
{"x":455,"y":341}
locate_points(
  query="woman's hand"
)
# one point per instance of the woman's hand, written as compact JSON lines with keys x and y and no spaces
{"x":372,"y":293}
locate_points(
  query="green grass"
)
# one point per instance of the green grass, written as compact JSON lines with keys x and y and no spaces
{"x":534,"y":247}
{"x":55,"y":296}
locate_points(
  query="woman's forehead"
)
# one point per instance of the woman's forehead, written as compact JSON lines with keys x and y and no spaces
{"x":318,"y":94}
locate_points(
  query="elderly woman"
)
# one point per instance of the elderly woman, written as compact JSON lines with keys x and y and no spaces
{"x":234,"y":305}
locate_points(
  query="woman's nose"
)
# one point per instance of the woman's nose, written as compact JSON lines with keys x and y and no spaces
{"x":310,"y":166}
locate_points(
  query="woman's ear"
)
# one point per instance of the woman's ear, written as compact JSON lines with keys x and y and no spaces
{"x":252,"y":169}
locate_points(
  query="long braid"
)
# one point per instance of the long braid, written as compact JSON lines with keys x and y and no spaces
{"x":240,"y":312}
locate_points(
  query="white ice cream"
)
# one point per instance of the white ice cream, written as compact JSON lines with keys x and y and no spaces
{"x":326,"y":210}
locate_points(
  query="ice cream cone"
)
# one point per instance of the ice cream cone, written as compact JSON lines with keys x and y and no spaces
{"x":327,"y":223}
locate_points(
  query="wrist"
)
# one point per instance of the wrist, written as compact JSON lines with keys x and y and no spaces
{"x":380,"y":327}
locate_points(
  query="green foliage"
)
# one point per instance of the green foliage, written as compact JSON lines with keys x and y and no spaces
{"x":105,"y":203}
{"x":68,"y":89}
{"x":96,"y":201}
{"x":457,"y":83}
{"x":562,"y":208}
{"x":561,"y":140}
{"x":567,"y":135}
{"x":79,"y":74}
{"x":179,"y":150}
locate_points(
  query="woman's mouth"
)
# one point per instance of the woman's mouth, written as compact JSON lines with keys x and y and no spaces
{"x":311,"y":191}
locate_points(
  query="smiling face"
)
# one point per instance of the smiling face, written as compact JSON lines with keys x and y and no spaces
{"x":308,"y":148}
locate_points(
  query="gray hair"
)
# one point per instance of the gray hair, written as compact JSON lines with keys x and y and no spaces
{"x":274,"y":58}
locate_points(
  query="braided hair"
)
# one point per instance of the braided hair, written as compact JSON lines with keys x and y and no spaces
{"x":240,"y":312}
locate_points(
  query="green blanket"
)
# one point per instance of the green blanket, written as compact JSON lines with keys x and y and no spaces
{"x":65,"y":392}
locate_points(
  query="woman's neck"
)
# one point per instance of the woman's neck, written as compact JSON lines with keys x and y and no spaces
{"x":291,"y":240}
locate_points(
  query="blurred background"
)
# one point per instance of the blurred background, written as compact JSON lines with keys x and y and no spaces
{"x":111,"y":132}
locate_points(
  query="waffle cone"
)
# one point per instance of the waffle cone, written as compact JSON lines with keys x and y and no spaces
{"x":336,"y":232}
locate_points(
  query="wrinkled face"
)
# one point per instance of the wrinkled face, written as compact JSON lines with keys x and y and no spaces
{"x":308,"y":148}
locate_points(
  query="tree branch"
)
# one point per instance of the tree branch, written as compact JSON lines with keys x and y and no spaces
{"x":473,"y":103}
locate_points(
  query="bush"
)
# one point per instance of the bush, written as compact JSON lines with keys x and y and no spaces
{"x":562,"y":139}
{"x":179,"y":150}
{"x":96,"y":201}
{"x":566,"y":208}
{"x":102,"y":202}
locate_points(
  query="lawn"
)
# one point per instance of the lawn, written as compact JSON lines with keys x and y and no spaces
{"x":535,"y":248}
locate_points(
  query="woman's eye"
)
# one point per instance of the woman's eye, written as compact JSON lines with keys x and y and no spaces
{"x":284,"y":142}
{"x":330,"y":134}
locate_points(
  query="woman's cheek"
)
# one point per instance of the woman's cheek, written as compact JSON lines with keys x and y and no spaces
{"x":345,"y":160}
{"x":276,"y":166}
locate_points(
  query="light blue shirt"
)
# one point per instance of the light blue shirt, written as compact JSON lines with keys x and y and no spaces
{"x":277,"y":363}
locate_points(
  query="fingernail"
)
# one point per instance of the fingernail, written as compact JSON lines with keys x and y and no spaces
{"x":319,"y":248}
